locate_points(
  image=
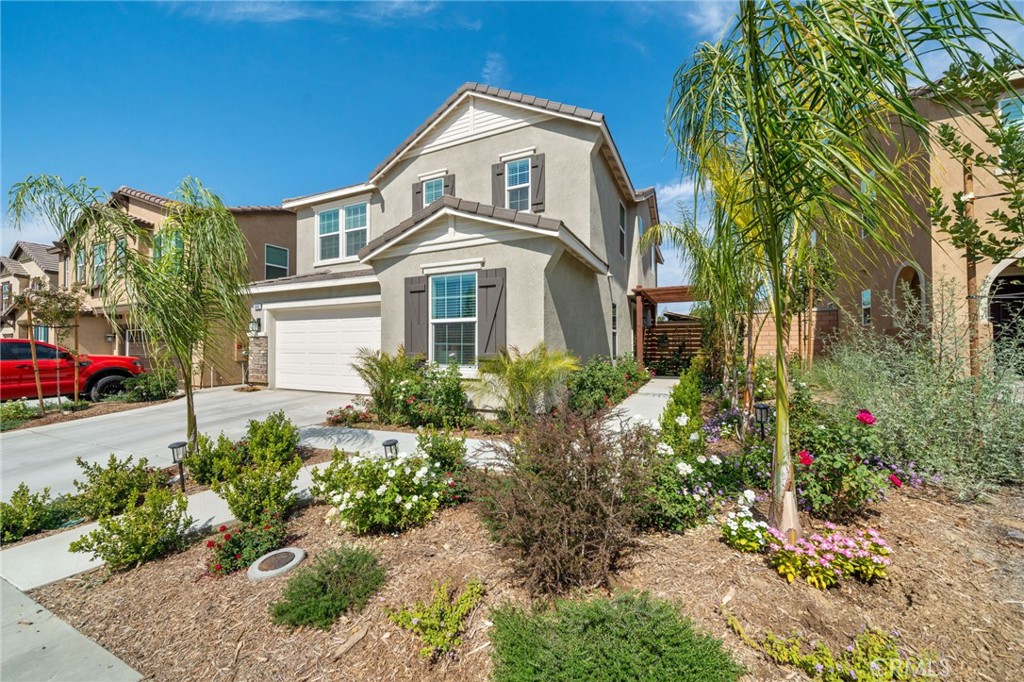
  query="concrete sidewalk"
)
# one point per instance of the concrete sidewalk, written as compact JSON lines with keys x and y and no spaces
{"x":39,"y":646}
{"x":650,"y":400}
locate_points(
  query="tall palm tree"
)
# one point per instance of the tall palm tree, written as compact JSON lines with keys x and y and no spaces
{"x":185,"y":287}
{"x":814,"y":99}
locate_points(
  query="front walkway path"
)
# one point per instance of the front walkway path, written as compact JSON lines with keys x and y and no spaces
{"x":649,"y":402}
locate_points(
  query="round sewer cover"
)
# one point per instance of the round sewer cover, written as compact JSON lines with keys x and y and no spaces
{"x":275,"y":563}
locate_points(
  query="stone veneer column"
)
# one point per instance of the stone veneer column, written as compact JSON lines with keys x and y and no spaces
{"x":258,"y":360}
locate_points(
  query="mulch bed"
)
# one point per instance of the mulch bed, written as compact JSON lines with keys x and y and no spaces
{"x":956,"y":588}
{"x":54,"y":415}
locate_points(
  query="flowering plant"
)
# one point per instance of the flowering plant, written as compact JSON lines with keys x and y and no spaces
{"x":348,"y":416}
{"x":380,"y":495}
{"x":236,"y":548}
{"x":822,"y":561}
{"x":865,"y":417}
{"x":725,"y":423}
{"x":740,"y":531}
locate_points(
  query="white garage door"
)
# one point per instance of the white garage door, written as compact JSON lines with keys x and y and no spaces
{"x":314,"y":348}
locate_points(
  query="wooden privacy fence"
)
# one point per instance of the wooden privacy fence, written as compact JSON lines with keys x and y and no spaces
{"x":665,"y":341}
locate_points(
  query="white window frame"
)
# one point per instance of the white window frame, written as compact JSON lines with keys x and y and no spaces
{"x":623,"y":217}
{"x":343,"y":256}
{"x":287,"y":260}
{"x":440,"y":184}
{"x":45,"y":333}
{"x":81,"y":272}
{"x":865,"y":308}
{"x":527,"y":185}
{"x":445,"y":320}
{"x":99,"y":264}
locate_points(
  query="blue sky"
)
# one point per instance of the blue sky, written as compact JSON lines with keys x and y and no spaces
{"x":263,"y":101}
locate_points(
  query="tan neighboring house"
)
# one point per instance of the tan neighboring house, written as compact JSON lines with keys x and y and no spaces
{"x":270,"y":232}
{"x":27,"y":262}
{"x":504,"y":219}
{"x":870,"y":277}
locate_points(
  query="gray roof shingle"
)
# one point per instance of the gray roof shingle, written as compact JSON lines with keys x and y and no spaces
{"x":40,"y":253}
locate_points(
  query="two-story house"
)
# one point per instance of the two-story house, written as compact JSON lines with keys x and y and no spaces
{"x":27,"y":263}
{"x":502,"y":220}
{"x":269,"y":231}
{"x":871,"y":276}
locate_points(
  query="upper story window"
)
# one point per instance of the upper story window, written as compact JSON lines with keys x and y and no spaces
{"x":1011,"y":110}
{"x":275,"y":261}
{"x":865,"y":306}
{"x":166,"y":243}
{"x":7,"y":297}
{"x":453,"y":318}
{"x":517,"y":185}
{"x":99,"y":261}
{"x":432,"y":190}
{"x":622,"y":230}
{"x":351,"y":221}
{"x":121,"y":254}
{"x":80,"y":266}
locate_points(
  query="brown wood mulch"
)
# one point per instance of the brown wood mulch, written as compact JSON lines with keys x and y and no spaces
{"x":956,"y":588}
{"x":55,"y":416}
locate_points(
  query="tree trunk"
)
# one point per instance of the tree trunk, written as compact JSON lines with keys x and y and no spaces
{"x":35,"y":358}
{"x":191,"y":431}
{"x":74,"y":355}
{"x":748,"y":374}
{"x":972,"y":276}
{"x":783,"y":513}
{"x":812,"y":318}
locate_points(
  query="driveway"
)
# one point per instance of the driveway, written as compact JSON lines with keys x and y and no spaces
{"x":45,"y":456}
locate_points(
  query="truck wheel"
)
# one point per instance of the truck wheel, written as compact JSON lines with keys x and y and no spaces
{"x":106,"y":387}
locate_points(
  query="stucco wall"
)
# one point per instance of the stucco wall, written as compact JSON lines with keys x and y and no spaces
{"x":262,"y":228}
{"x":577,"y":308}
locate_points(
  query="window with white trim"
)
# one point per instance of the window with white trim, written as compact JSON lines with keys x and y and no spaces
{"x":432,"y":190}
{"x":41,"y":333}
{"x":1011,"y":110}
{"x":865,"y":307}
{"x":329,"y":229}
{"x":355,"y":228}
{"x":517,"y":185}
{"x":80,"y":266}
{"x":351,"y":223}
{"x":453,"y":318}
{"x":99,"y":261}
{"x":275,"y":261}
{"x":7,"y":295}
{"x":622,"y":230}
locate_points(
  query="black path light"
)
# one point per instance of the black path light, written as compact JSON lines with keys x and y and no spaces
{"x":761,"y":413}
{"x":178,"y":449}
{"x":391,"y":447}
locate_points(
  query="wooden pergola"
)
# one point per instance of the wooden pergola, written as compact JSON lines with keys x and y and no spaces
{"x":648,"y":298}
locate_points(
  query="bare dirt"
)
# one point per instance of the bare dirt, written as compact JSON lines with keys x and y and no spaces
{"x":956,"y":589}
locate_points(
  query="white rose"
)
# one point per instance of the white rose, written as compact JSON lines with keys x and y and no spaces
{"x":391,"y":473}
{"x":684,"y":469}
{"x":701,"y":459}
{"x":381,"y":489}
{"x":408,"y":506}
{"x":360,"y":494}
{"x":415,"y":498}
{"x":398,"y":498}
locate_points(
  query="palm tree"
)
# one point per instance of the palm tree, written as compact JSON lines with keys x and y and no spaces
{"x":522,"y":382}
{"x":185,"y":287}
{"x":814,"y":100}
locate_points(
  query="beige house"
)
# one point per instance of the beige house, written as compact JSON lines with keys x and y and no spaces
{"x":502,"y":220}
{"x":870,"y":277}
{"x":27,"y":262}
{"x":270,"y":232}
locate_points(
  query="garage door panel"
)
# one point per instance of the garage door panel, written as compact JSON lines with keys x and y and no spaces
{"x":315,"y":349}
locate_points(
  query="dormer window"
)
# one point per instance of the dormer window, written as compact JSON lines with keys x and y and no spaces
{"x":517,"y":185}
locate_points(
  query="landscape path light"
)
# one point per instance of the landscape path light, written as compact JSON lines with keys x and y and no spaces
{"x":178,"y":449}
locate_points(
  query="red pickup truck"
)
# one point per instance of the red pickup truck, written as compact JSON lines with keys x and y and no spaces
{"x":98,"y":375}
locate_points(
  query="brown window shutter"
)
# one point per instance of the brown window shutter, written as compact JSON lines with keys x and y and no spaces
{"x":449,"y":185}
{"x":417,"y":316}
{"x":417,"y":196}
{"x":537,"y":183}
{"x":490,"y":302}
{"x":498,"y":185}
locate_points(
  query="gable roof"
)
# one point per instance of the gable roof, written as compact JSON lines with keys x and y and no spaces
{"x":12,"y":266}
{"x":455,"y":205}
{"x":40,"y":253}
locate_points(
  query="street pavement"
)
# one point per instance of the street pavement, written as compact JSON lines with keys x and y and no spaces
{"x":45,"y":456}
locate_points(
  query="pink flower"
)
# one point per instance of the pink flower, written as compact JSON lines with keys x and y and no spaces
{"x":865,"y":417}
{"x":895,"y":480}
{"x":805,"y":458}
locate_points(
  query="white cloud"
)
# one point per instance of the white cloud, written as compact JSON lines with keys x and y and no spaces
{"x":709,"y":18}
{"x":495,"y":71}
{"x":267,"y":12}
{"x":392,"y":11}
{"x":670,"y":196}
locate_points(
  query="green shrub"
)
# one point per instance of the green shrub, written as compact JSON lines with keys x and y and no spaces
{"x":383,"y":374}
{"x":233,"y":549}
{"x":75,"y":405}
{"x":266,"y":487}
{"x":932,"y":416}
{"x":156,"y":527}
{"x":340,"y":580}
{"x":567,"y":495}
{"x":29,"y":513}
{"x":275,"y":438}
{"x":448,"y":452}
{"x":212,"y":461}
{"x":601,"y":384}
{"x":681,"y":421}
{"x":440,"y":622}
{"x":525,"y":383}
{"x":110,"y":490}
{"x":433,"y":396}
{"x":629,"y":637}
{"x":380,"y":495}
{"x":14,"y":413}
{"x":159,"y":384}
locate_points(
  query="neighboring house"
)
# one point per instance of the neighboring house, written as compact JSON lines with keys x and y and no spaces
{"x":270,"y":232}
{"x":27,"y":262}
{"x":502,"y":220}
{"x":871,"y":277}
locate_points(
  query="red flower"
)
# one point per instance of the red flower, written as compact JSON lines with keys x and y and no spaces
{"x":805,"y":458}
{"x":895,"y":480}
{"x":210,"y":544}
{"x":238,"y":556}
{"x":227,"y":536}
{"x":217,"y":567}
{"x":223,"y":528}
{"x":266,"y":527}
{"x":865,"y":417}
